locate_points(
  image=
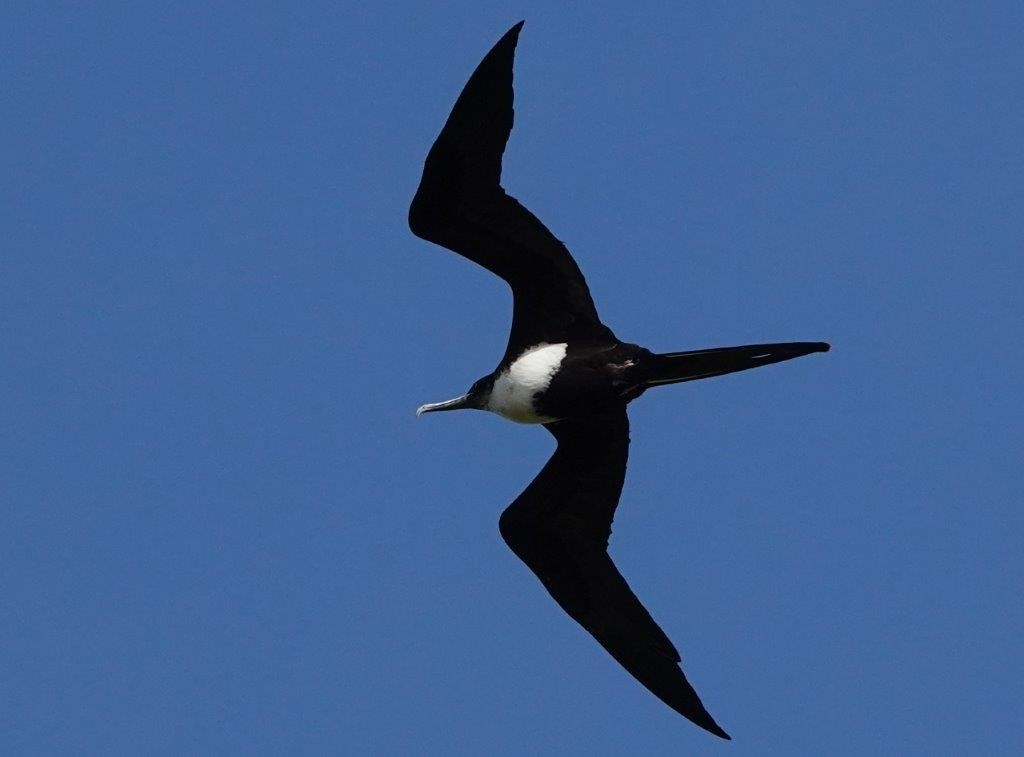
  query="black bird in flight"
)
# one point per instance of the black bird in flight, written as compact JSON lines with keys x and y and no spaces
{"x":565,"y":369}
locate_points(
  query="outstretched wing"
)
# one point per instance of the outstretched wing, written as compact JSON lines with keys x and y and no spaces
{"x":559,"y":526}
{"x":460,"y":205}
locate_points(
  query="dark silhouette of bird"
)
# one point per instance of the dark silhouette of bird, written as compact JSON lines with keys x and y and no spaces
{"x":565,"y":369}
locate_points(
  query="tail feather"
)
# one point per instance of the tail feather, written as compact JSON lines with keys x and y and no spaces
{"x":674,"y":367}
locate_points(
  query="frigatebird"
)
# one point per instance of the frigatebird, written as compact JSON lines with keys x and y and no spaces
{"x":565,"y":369}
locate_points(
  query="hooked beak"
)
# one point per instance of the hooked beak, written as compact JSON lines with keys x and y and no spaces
{"x":456,"y":404}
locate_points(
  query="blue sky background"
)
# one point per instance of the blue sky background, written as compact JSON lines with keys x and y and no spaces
{"x":224,"y":531}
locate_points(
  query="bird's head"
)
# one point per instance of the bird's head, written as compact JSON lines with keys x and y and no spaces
{"x":475,"y":399}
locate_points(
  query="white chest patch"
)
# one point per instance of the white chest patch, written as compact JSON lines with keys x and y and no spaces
{"x":531,"y":372}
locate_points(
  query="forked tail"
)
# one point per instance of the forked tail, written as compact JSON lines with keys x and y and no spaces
{"x":674,"y":367}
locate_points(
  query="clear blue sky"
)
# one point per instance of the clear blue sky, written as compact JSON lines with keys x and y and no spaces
{"x":224,"y":531}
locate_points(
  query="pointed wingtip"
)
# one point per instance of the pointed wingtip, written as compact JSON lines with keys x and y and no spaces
{"x":512,"y":35}
{"x":717,"y":730}
{"x":700,"y":716}
{"x":693,"y":710}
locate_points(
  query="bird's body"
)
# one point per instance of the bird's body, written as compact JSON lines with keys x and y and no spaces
{"x":552,"y":382}
{"x":565,"y":369}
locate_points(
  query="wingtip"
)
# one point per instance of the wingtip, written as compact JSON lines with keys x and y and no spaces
{"x":705,"y":721}
{"x":717,"y":730}
{"x":512,"y":35}
{"x":696,"y":713}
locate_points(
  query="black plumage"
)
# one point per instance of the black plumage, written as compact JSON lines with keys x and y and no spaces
{"x":559,"y":526}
